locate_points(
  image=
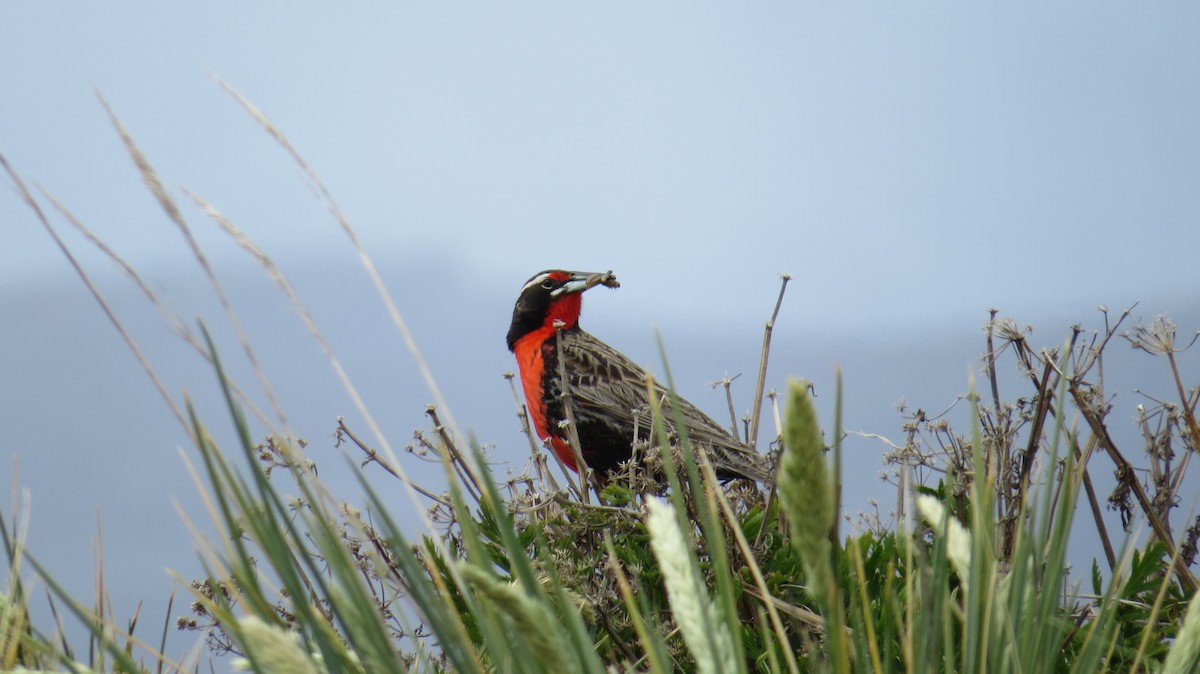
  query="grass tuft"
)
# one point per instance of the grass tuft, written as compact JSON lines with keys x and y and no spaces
{"x":483,"y":574}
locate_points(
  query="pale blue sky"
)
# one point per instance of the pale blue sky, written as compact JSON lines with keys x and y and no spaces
{"x":911,"y":165}
{"x":912,"y":159}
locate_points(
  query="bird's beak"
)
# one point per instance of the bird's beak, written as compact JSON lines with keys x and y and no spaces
{"x":582,"y":280}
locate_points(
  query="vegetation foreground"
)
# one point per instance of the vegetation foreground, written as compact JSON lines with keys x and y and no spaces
{"x":523,"y":575}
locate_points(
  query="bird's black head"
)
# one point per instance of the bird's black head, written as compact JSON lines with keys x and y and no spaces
{"x":552,"y":297}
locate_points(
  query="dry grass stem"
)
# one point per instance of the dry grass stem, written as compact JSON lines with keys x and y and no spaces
{"x":280,"y":279}
{"x":364,"y":258}
{"x":537,"y":457}
{"x":27,"y":197}
{"x":150,"y":177}
{"x":394,"y":470}
{"x":760,"y":387}
{"x":186,"y":333}
{"x":586,"y":476}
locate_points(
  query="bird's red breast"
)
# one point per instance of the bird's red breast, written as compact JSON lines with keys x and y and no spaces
{"x":531,"y":352}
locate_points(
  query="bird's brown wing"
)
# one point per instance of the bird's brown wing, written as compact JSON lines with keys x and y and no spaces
{"x":609,"y":390}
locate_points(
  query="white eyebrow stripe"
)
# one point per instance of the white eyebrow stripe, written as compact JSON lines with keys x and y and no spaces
{"x":535,"y":280}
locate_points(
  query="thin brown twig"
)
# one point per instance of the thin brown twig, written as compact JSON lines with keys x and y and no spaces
{"x":374,"y":457}
{"x":1045,"y":393}
{"x":752,"y":437}
{"x":773,"y":487}
{"x":562,"y":500}
{"x":1156,"y":523}
{"x":466,"y":475}
{"x":568,"y":401}
{"x":727,"y":383}
{"x":1004,"y":457}
{"x":1189,"y":416}
{"x":537,"y":457}
{"x":991,"y":360}
{"x":1094,"y":504}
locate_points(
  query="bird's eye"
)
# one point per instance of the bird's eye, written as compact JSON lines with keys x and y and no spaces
{"x":548,"y":283}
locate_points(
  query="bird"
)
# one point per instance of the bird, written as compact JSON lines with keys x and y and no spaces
{"x":608,"y":393}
